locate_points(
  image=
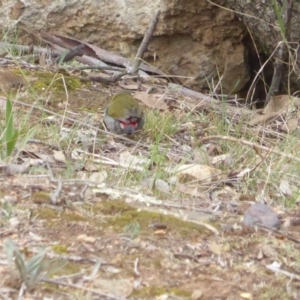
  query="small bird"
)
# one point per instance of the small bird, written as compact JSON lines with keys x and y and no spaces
{"x":124,"y":115}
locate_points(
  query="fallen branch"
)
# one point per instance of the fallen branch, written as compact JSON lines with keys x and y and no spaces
{"x":209,"y":102}
{"x":96,"y":68}
{"x":144,"y":44}
{"x":61,"y":43}
{"x":76,"y":51}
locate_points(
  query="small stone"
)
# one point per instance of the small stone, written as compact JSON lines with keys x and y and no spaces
{"x":260,"y":213}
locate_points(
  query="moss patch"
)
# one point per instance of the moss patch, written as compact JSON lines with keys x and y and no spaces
{"x":56,"y":82}
{"x":124,"y":216}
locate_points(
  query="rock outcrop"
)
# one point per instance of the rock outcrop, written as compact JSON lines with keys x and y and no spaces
{"x":195,"y":40}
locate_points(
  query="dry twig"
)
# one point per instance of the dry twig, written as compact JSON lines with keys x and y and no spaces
{"x":145,"y":43}
{"x":251,"y":144}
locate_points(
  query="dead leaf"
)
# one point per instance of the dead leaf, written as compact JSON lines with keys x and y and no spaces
{"x":277,"y":105}
{"x":262,"y":119}
{"x":291,"y":125}
{"x":196,"y":173}
{"x":17,"y":10}
{"x":152,"y":100}
{"x":91,"y":167}
{"x":9,"y":80}
{"x":215,"y":248}
{"x":285,"y":187}
{"x":59,"y":156}
{"x":243,"y":172}
{"x":132,"y":161}
{"x":98,"y":177}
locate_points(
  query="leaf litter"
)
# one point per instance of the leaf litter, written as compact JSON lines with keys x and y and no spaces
{"x":128,"y":227}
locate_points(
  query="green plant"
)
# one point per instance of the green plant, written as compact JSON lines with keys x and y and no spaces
{"x":10,"y":136}
{"x":279,"y":11}
{"x":33,"y":270}
{"x":6,"y":210}
{"x":133,"y":229}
